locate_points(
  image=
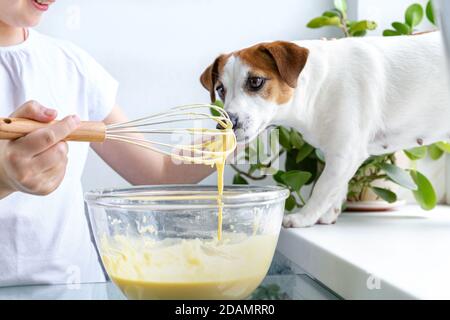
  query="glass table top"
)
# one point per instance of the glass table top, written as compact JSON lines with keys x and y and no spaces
{"x":284,"y":281}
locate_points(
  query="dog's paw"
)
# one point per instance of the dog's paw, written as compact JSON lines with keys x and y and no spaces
{"x":327,"y":220}
{"x":297,"y":220}
{"x":330,"y":217}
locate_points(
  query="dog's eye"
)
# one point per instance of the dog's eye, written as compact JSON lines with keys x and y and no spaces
{"x":220,"y":89}
{"x":255,"y":83}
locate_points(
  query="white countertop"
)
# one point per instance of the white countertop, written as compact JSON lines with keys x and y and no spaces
{"x":401,"y":254}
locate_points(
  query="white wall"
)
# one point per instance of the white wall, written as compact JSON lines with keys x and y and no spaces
{"x":157,"y":49}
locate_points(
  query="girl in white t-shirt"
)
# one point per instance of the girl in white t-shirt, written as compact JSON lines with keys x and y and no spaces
{"x":44,"y":235}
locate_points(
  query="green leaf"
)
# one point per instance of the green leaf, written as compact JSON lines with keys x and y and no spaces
{"x":290,"y":203}
{"x":435,"y":152}
{"x":425,"y":194}
{"x":296,"y":139}
{"x":331,"y":14}
{"x":444,"y":146}
{"x":414,"y":15}
{"x":359,"y":33}
{"x":416,"y":153}
{"x":214,"y":112}
{"x":341,"y":5}
{"x":309,"y":165}
{"x":278,"y":177}
{"x":362,"y":25}
{"x":296,"y":179}
{"x":285,"y":138}
{"x":402,"y":28}
{"x":351,"y":23}
{"x":391,"y":33}
{"x":289,"y":163}
{"x":238,"y":179}
{"x":218,"y":103}
{"x":430,"y":12}
{"x":320,"y":22}
{"x":304,"y":151}
{"x":317,"y":22}
{"x":398,"y":176}
{"x":385,"y":194}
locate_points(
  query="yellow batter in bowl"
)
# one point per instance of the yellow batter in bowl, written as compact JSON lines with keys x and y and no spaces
{"x":189,"y":269}
{"x":161,"y":242}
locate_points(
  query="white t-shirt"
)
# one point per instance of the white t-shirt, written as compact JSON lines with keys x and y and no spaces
{"x":46,"y":239}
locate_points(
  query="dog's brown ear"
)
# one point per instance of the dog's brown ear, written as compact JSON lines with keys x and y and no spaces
{"x":289,"y":58}
{"x":211,"y":74}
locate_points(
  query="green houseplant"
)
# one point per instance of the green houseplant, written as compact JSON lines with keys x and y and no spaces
{"x":303,"y":163}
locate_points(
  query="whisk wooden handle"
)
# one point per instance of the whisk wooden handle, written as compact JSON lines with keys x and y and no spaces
{"x":14,"y":128}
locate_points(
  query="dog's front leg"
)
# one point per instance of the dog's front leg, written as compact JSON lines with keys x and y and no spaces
{"x":329,"y":190}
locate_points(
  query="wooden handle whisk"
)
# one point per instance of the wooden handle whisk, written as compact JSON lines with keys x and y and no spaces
{"x":199,"y":144}
{"x":88,"y":131}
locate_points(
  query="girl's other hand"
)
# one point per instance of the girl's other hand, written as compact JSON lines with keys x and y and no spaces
{"x":36,"y":163}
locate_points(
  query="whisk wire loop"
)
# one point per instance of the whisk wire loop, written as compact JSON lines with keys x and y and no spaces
{"x":204,"y":145}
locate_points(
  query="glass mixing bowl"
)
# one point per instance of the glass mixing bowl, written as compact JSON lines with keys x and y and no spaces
{"x":161,"y":242}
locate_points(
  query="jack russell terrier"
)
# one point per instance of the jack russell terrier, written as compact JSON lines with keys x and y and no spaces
{"x":351,"y":98}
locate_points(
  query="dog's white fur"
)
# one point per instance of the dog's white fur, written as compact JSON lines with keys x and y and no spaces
{"x":354,"y":98}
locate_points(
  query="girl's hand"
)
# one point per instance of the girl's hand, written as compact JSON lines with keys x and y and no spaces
{"x":36,"y":163}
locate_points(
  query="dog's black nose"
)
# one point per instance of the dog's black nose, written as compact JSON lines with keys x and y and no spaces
{"x":234,"y":120}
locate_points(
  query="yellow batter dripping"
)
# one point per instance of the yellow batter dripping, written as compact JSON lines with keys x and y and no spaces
{"x":213,"y":152}
{"x":226,"y":145}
